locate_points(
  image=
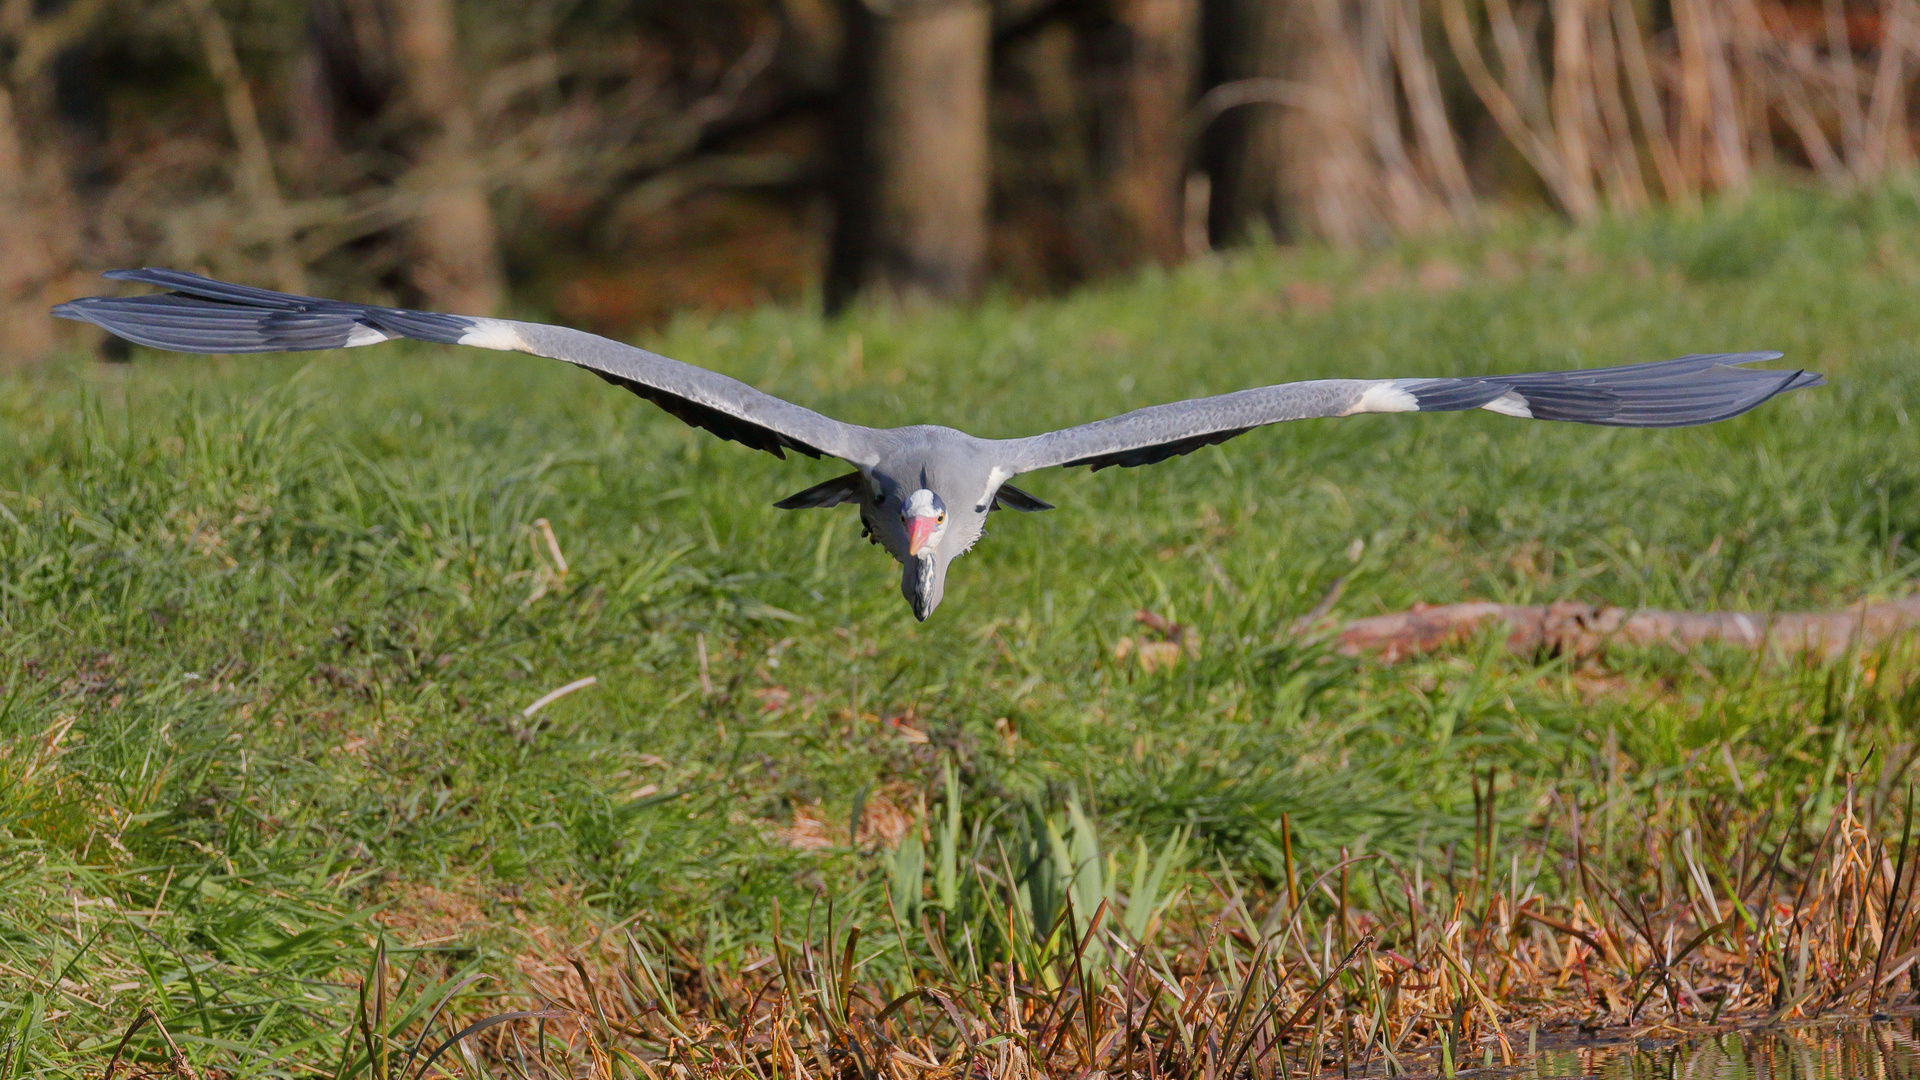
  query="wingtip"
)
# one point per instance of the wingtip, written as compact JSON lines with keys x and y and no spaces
{"x":161,"y":276}
{"x":1742,"y":359}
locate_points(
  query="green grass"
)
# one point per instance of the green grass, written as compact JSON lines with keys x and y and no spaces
{"x":265,"y":634}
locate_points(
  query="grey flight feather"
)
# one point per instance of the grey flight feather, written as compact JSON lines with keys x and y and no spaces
{"x":1669,"y":393}
{"x":924,"y":492}
{"x":207,"y":316}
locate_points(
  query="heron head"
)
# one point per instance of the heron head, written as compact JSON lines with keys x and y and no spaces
{"x":924,"y":517}
{"x":923,"y":575}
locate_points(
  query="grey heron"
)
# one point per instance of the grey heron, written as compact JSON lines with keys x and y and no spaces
{"x":925,"y":491}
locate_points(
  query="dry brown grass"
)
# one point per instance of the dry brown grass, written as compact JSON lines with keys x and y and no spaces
{"x":1705,"y":917}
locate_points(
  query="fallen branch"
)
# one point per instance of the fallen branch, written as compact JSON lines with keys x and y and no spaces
{"x":1577,"y":629}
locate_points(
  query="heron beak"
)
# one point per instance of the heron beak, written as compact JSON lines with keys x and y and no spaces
{"x":919,"y":531}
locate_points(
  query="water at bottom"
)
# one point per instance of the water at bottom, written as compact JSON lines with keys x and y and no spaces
{"x":1876,"y":1050}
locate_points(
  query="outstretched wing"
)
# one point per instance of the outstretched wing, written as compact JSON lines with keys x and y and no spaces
{"x":1668,"y":393}
{"x":206,"y":316}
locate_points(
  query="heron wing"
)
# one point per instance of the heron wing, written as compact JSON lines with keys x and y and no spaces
{"x":206,"y":316}
{"x":840,"y":489}
{"x":1668,"y":393}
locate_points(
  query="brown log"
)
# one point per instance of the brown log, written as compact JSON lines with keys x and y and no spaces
{"x":1571,"y":628}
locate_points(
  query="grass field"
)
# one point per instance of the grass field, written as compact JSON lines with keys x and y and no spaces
{"x":268,"y":626}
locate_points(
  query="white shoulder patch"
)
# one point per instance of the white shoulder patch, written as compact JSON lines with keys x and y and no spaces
{"x":1384,"y":397}
{"x":994,"y":479}
{"x":365,"y":335}
{"x":495,"y":334}
{"x":1510,"y":404}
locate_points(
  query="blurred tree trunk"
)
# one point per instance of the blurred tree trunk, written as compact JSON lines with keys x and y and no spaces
{"x":40,"y":224}
{"x":1152,"y":144}
{"x":31,"y":252}
{"x":345,"y":80}
{"x":253,"y":168}
{"x":912,"y":168}
{"x":1242,"y":149}
{"x":455,"y":258}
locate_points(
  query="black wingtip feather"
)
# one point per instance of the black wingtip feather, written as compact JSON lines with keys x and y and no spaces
{"x":833,"y":492}
{"x":209,"y":289}
{"x":1012,"y":498}
{"x":183,"y":324}
{"x":1697,"y":389}
{"x":202,"y":315}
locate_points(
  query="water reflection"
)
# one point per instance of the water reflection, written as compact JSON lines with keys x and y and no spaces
{"x":1887,"y":1050}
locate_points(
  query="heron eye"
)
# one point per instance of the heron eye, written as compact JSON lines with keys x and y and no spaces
{"x":942,"y":519}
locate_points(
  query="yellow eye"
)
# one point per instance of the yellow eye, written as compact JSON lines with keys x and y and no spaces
{"x":942,"y":519}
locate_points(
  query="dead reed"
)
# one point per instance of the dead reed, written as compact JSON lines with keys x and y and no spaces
{"x":1608,"y":109}
{"x":1029,"y":952}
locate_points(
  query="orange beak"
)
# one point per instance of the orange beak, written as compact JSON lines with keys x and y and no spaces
{"x":919,"y":531}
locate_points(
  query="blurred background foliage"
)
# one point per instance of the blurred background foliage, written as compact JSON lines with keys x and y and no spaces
{"x":610,"y":162}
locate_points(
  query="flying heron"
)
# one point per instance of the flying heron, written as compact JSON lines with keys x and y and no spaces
{"x":925,"y":491}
